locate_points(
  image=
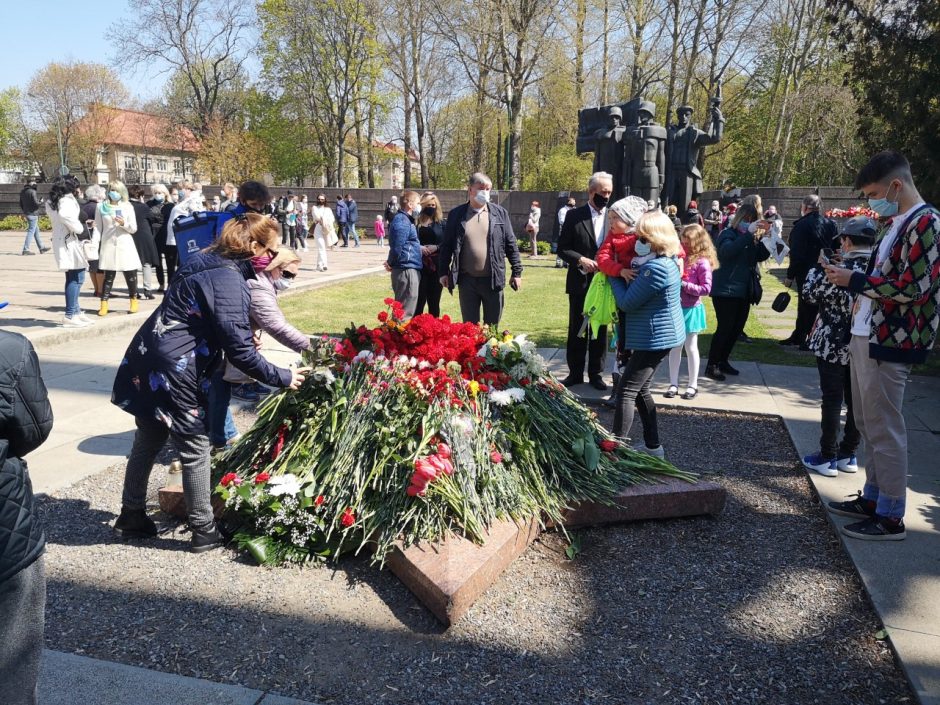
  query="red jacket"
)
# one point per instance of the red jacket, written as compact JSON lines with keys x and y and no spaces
{"x":616,"y":253}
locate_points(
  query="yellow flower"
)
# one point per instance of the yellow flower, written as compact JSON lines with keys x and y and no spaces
{"x":474,"y":387}
{"x":507,"y":338}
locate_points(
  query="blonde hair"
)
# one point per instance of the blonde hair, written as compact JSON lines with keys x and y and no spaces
{"x":754,"y":200}
{"x":700,"y":245}
{"x":658,"y":230}
{"x":159,"y":188}
{"x":672,"y":210}
{"x":429,"y":199}
{"x":120,"y":188}
{"x":235,"y":240}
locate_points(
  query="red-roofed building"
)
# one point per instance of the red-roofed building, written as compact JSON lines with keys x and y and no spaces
{"x":139,"y":148}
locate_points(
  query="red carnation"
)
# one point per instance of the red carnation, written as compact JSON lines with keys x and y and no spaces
{"x":608,"y":446}
{"x":348,"y":518}
{"x":443,"y":450}
{"x":383,"y":316}
{"x":262,"y":477}
{"x":496,"y":457}
{"x":319,"y":500}
{"x":229,"y":478}
{"x":389,"y":301}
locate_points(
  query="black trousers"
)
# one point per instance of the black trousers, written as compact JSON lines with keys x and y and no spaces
{"x":633,"y":393}
{"x":171,"y":254}
{"x":805,"y":315}
{"x":835,"y":381}
{"x":577,"y":346}
{"x":130,"y":278}
{"x":429,"y":293}
{"x":730,"y":315}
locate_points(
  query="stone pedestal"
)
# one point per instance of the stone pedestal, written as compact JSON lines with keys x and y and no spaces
{"x":173,"y":502}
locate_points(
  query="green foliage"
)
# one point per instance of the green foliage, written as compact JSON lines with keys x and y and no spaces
{"x":9,"y":109}
{"x":894,"y":50}
{"x":525,"y":246}
{"x":560,"y":170}
{"x":293,"y":154}
{"x":18,"y":222}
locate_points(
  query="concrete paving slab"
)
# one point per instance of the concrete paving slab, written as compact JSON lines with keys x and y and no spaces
{"x":919,"y":662}
{"x":66,"y":679}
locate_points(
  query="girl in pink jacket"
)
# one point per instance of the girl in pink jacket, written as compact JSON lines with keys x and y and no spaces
{"x":700,"y":261}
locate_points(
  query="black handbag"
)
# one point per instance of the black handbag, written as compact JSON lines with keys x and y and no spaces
{"x":755,"y":290}
{"x":781,"y":301}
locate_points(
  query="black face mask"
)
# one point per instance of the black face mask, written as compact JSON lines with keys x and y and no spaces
{"x":429,"y":210}
{"x":600,"y":201}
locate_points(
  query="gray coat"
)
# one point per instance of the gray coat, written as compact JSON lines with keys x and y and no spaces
{"x":267,"y":316}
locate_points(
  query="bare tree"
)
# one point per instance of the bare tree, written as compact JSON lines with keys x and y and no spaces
{"x":205,"y":42}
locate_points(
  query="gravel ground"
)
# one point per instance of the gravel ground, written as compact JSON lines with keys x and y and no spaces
{"x":758,"y":605}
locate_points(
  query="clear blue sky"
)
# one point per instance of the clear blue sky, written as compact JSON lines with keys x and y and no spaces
{"x":36,"y":33}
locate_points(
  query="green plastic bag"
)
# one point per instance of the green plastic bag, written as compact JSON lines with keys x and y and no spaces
{"x":600,"y":307}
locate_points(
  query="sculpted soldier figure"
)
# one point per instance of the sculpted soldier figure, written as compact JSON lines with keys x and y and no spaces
{"x":645,"y":164}
{"x":608,"y":149}
{"x":685,"y":140}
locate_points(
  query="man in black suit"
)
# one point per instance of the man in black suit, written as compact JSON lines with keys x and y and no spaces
{"x":581,"y":235}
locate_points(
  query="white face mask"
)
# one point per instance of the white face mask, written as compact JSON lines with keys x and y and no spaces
{"x":642,"y":249}
{"x":282,"y":284}
{"x":483,"y":196}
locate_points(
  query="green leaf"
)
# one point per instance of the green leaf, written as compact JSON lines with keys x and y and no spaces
{"x":258,"y":548}
{"x":577,"y":447}
{"x":881,"y":634}
{"x":592,"y":454}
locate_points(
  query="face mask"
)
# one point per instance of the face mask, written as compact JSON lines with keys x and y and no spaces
{"x":282,"y":284}
{"x":884,"y":207}
{"x":600,"y":201}
{"x":259,"y":262}
{"x":114,"y":196}
{"x":642,"y":248}
{"x":184,"y":194}
{"x":158,"y":198}
{"x":483,"y":196}
{"x":430,"y":210}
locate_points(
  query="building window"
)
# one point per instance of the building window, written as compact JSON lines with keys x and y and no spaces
{"x":130,"y":161}
{"x":161,"y":164}
{"x":177,"y":166}
{"x":145,"y":163}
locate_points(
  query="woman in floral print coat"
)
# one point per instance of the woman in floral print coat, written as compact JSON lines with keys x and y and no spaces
{"x":163,"y":379}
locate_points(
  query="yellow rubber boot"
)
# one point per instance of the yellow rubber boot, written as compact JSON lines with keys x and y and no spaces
{"x":103,"y":309}
{"x":133,"y":308}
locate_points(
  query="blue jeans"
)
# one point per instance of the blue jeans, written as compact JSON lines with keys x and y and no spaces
{"x":221,"y":425}
{"x":32,"y":231}
{"x":74,"y":278}
{"x":351,"y":230}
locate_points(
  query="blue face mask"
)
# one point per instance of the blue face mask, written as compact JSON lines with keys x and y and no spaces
{"x":884,"y":207}
{"x":642,"y":248}
{"x":114,"y":195}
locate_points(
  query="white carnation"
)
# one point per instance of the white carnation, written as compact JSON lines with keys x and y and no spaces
{"x":286,"y":484}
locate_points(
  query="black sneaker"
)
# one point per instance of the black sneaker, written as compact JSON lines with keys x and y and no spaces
{"x":876,"y":528}
{"x":207,"y":539}
{"x":728,"y":369}
{"x":857,"y":508}
{"x":598,"y":383}
{"x":135,"y":524}
{"x":571,"y":381}
{"x":712,"y":372}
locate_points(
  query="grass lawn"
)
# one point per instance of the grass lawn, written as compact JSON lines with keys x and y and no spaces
{"x":540,"y":310}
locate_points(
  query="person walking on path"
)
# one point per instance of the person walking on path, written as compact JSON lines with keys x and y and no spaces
{"x":163,"y":380}
{"x":405,"y":253}
{"x":302,"y":210}
{"x":477,"y":242}
{"x":894,"y":325}
{"x":352,"y":216}
{"x":25,"y":424}
{"x":342,"y":217}
{"x":379,"y":227}
{"x":144,"y":238}
{"x":739,"y":251}
{"x":117,"y":223}
{"x":811,"y":233}
{"x":829,"y":341}
{"x":324,"y":230}
{"x":582,"y":234}
{"x":67,"y":227}
{"x":431,"y":226}
{"x":652,"y":326}
{"x":30,"y":203}
{"x":700,"y":261}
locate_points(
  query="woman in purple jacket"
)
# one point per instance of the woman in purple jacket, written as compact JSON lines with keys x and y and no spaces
{"x":700,"y":261}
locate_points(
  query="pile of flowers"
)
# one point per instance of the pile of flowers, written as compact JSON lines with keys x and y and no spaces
{"x":409,"y":431}
{"x":851,"y":212}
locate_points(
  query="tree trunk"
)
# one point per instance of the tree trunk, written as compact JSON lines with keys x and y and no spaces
{"x":360,"y":146}
{"x":605,"y":57}
{"x":370,"y":135}
{"x":580,"y":18}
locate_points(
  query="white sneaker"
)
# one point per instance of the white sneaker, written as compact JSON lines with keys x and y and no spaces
{"x":847,"y":464}
{"x":73,"y":322}
{"x":657,"y":452}
{"x":825,"y":467}
{"x":82,"y":317}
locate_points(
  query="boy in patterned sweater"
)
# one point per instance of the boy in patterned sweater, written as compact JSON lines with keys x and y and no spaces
{"x":894,"y":324}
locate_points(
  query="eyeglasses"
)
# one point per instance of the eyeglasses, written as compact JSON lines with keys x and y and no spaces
{"x":288,"y":275}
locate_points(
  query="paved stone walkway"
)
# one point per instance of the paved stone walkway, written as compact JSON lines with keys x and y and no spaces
{"x":90,"y":434}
